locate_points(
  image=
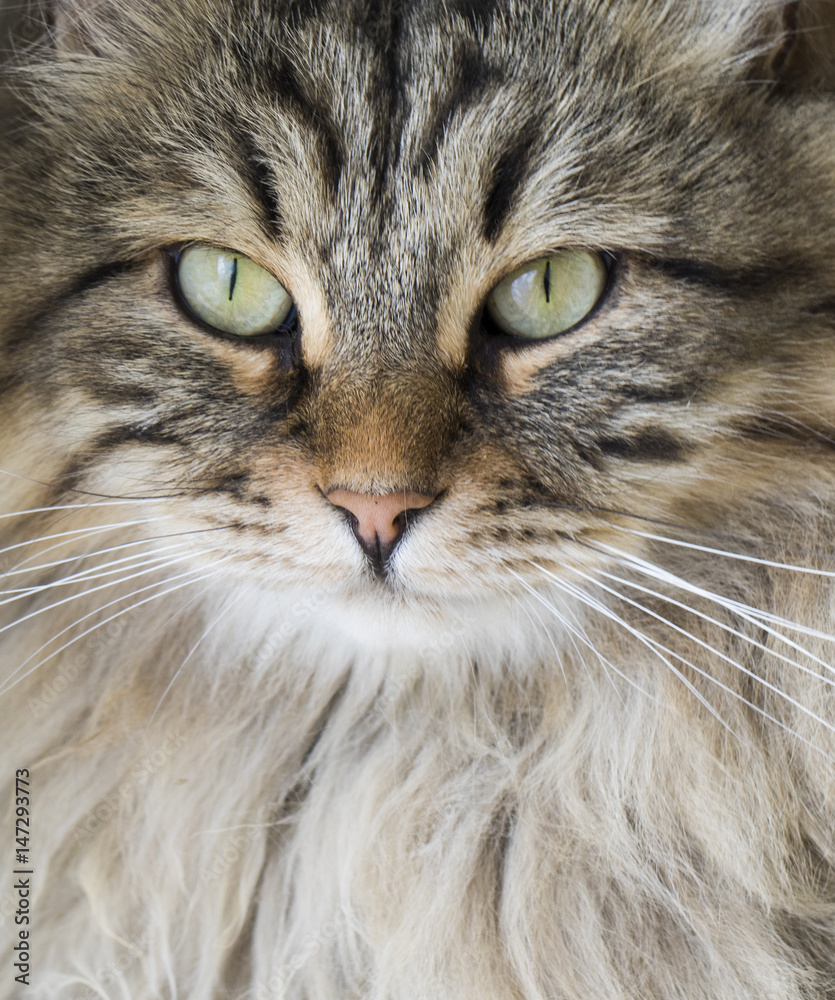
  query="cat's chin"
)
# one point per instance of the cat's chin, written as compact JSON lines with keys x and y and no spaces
{"x":336,"y":627}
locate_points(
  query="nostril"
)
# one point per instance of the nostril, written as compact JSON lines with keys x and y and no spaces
{"x":378,"y":521}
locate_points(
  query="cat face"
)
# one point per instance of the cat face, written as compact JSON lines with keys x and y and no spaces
{"x":391,"y":171}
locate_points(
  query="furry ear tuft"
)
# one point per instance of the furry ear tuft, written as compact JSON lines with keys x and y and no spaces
{"x":803,"y":57}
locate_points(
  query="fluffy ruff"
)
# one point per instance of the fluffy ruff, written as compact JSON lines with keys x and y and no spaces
{"x":214,"y":816}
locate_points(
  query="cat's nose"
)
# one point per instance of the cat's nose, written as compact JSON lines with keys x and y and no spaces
{"x":379,"y":521}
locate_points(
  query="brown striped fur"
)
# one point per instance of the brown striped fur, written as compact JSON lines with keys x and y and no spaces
{"x":578,"y":741}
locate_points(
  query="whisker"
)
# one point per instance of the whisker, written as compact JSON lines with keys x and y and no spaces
{"x":587,"y":599}
{"x":518,"y":600}
{"x":576,"y":629}
{"x":8,"y":686}
{"x":604,"y":661}
{"x":585,"y":508}
{"x":744,"y":611}
{"x":661,"y":522}
{"x":82,"y":532}
{"x":93,"y":572}
{"x":18,"y":567}
{"x":768,"y":616}
{"x":91,"y":614}
{"x":658,"y":648}
{"x":727,"y":628}
{"x":714,"y":651}
{"x":99,"y":552}
{"x":740,"y":697}
{"x":54,"y":485}
{"x":84,"y":593}
{"x":231,"y":604}
{"x":73,"y":506}
{"x":723,"y":552}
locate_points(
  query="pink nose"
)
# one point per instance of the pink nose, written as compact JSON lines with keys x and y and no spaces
{"x":378,"y":521}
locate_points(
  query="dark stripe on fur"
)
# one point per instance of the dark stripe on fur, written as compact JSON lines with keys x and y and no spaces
{"x":313,"y":112}
{"x":824,"y":308}
{"x":478,"y":12}
{"x":786,"y":430}
{"x":253,"y":165}
{"x":508,"y":175}
{"x":298,"y":792}
{"x":303,"y":11}
{"x":808,"y":934}
{"x":121,"y":393}
{"x":469,"y":79}
{"x":385,"y":27}
{"x":739,"y":281}
{"x":154,"y":434}
{"x":790,"y":26}
{"x":675,"y":392}
{"x":645,"y":446}
{"x":499,"y":839}
{"x":92,"y":279}
{"x":101,"y":274}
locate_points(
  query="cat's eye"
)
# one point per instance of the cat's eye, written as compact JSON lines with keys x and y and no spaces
{"x":230,"y":292}
{"x":548,"y":296}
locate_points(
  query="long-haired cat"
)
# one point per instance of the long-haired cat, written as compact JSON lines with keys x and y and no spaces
{"x":417,"y":482}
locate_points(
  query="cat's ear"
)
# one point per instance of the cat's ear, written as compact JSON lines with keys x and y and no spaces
{"x":802,"y":53}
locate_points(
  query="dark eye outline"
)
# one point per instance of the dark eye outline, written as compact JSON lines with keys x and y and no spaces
{"x":290,"y":327}
{"x":500,"y":338}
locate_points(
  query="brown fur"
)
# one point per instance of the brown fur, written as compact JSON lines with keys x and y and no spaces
{"x":578,"y":741}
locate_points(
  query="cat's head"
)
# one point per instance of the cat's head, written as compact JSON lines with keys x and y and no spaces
{"x":420,"y":304}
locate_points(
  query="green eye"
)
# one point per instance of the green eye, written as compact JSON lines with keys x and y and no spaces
{"x":230,"y":292}
{"x":549,"y":295}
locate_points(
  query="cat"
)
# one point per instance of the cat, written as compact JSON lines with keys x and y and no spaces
{"x":417,"y":476}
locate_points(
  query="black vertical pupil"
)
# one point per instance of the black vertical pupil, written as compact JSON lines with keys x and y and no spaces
{"x":546,"y":281}
{"x":234,"y":278}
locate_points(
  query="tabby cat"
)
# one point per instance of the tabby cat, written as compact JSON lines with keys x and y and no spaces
{"x":417,"y":482}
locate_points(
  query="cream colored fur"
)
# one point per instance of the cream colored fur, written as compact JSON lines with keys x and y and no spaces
{"x":581,"y":744}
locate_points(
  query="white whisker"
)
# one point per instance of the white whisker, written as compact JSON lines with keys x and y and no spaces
{"x":84,"y":593}
{"x":95,"y":572}
{"x":744,"y":611}
{"x":79,"y":557}
{"x":518,"y":600}
{"x":230,"y":605}
{"x":82,"y":532}
{"x":712,"y":649}
{"x":740,"y":697}
{"x":722,"y":552}
{"x":727,"y":628}
{"x":587,"y":599}
{"x":92,"y":614}
{"x":604,"y":661}
{"x":74,"y":506}
{"x":8,"y":686}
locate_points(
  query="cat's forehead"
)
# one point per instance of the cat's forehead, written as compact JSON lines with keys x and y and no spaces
{"x":387,"y":160}
{"x":401,"y":149}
